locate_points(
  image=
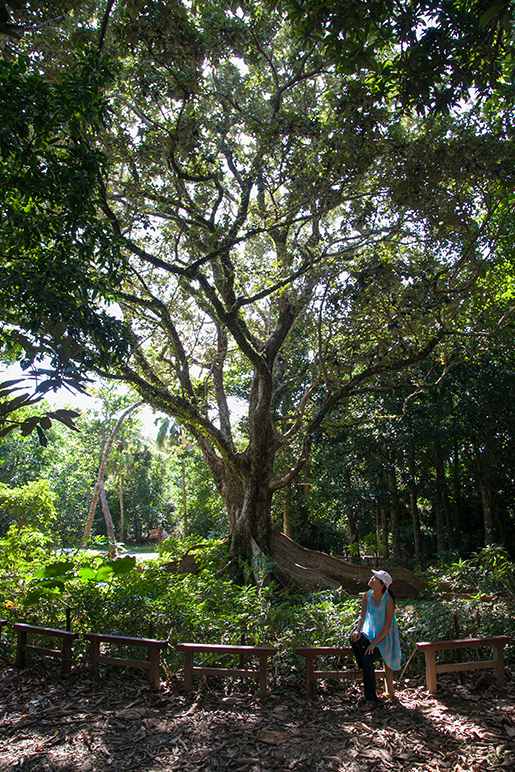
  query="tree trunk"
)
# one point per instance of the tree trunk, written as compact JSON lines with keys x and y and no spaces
{"x":111,"y":538}
{"x":184,"y":499}
{"x":316,"y":570}
{"x":287,"y":529}
{"x":440,"y":524}
{"x":485,"y":474}
{"x":486,"y":499}
{"x":456,"y":490}
{"x":351,"y":525}
{"x":384,"y":534}
{"x":122,"y":509}
{"x":353,"y":533}
{"x":379,"y":550}
{"x":413,"y":504}
{"x":245,"y":483}
{"x":252,"y":504}
{"x":101,"y":472}
{"x":395,"y":513}
{"x":442,"y":492}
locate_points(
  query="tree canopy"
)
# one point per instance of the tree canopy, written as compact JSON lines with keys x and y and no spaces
{"x":281,"y":236}
{"x":426,"y":54}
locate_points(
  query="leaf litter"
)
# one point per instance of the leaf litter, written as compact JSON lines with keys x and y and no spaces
{"x":51,"y":723}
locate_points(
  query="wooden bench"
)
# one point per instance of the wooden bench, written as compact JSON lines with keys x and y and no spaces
{"x":311,"y":652}
{"x":261,"y":652}
{"x":496,"y":643}
{"x":64,"y":653}
{"x":151,"y":665}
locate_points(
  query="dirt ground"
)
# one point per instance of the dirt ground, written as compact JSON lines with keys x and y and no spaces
{"x":50,"y":723}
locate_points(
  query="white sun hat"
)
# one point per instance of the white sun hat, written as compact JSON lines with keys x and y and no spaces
{"x":384,"y":576}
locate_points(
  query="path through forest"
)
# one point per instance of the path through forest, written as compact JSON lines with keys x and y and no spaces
{"x":51,"y":724}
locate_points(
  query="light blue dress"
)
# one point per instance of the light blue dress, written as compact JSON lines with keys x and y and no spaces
{"x":390,"y":646}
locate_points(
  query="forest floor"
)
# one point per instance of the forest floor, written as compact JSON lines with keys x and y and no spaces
{"x":77,"y":724}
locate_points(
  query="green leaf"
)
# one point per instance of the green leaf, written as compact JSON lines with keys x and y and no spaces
{"x":60,"y":568}
{"x":104,"y":574}
{"x":66,"y":417}
{"x":42,"y":438}
{"x":87,"y":574}
{"x":123,"y":566}
{"x":487,"y":17}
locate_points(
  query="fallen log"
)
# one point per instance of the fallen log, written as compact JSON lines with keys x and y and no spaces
{"x":314,"y":570}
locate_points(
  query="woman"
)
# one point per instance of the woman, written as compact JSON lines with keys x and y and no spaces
{"x":376,"y":635}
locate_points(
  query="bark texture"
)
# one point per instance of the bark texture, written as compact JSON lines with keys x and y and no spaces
{"x":315,"y":570}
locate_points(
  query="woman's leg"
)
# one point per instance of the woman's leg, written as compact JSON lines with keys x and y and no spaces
{"x":358,"y":648}
{"x":369,"y":676}
{"x":366,"y":663}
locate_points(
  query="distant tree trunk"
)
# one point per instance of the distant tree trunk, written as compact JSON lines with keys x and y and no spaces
{"x":111,"y":538}
{"x":456,"y":490}
{"x":384,"y":534}
{"x":379,"y":550}
{"x":316,"y":570}
{"x":353,"y":533}
{"x":413,"y":504}
{"x":287,"y":529}
{"x":442,"y":492}
{"x":484,"y":460}
{"x":101,"y":472}
{"x":184,"y":499}
{"x":440,"y":523}
{"x":351,"y":525}
{"x":122,"y":508}
{"x":395,"y":512}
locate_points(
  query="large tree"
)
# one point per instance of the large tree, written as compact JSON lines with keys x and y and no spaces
{"x":288,"y":240}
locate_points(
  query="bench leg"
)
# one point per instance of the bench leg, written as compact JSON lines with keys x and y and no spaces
{"x":66,"y":651}
{"x":20,"y":648}
{"x":188,"y":671}
{"x":263,"y":672}
{"x":153,"y":671}
{"x":310,"y":678}
{"x":498,"y":655}
{"x":94,"y":657}
{"x":431,"y":671}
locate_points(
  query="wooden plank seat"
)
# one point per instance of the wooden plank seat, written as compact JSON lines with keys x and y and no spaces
{"x":151,"y":665}
{"x":64,"y":653}
{"x":312,"y":652}
{"x":496,"y":643}
{"x":261,"y":652}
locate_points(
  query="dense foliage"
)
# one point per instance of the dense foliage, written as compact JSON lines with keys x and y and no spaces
{"x":424,"y":53}
{"x":37,"y":586}
{"x":417,"y":468}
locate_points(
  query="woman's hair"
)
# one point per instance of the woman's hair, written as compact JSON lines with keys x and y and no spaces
{"x":389,"y":591}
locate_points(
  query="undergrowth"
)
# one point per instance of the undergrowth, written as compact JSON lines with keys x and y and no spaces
{"x":147,"y":598}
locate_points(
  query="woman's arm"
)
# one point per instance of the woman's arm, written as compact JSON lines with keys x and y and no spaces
{"x":361,"y":621}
